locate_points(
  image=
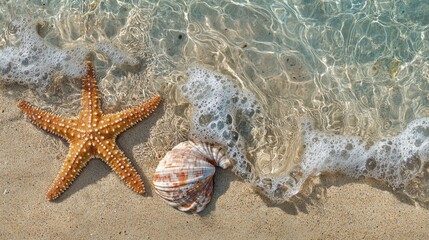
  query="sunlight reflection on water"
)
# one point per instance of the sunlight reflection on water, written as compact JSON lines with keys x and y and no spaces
{"x":356,"y":67}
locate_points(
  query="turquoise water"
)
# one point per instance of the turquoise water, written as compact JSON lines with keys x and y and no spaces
{"x":355,"y":67}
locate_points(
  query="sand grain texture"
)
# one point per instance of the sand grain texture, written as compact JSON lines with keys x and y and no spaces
{"x":99,"y":206}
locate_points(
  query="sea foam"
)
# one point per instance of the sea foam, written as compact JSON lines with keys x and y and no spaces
{"x":223,"y":114}
{"x":401,"y":161}
{"x":35,"y":61}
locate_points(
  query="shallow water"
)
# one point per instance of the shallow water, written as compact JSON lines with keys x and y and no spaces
{"x":355,"y":67}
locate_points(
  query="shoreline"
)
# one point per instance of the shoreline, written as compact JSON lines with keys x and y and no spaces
{"x":99,"y":205}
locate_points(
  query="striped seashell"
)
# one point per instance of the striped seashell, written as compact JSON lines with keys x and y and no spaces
{"x":184,"y":177}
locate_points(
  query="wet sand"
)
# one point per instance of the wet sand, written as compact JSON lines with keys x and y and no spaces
{"x":98,"y":205}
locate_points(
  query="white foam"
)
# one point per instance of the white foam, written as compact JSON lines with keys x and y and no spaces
{"x":222,"y":113}
{"x":220,"y":107}
{"x":400,"y":161}
{"x":34,"y":61}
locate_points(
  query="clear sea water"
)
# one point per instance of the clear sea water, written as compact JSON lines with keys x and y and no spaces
{"x":355,"y":67}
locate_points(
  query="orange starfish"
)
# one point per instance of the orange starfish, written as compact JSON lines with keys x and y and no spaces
{"x":91,"y":134}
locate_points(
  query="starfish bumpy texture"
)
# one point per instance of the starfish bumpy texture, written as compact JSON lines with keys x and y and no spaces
{"x":91,"y":134}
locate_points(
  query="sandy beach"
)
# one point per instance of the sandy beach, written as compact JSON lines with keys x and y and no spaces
{"x":357,"y":67}
{"x":99,"y":206}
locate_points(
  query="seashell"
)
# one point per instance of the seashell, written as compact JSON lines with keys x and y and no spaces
{"x":184,"y":177}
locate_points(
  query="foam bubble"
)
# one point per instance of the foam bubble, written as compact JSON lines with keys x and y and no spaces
{"x":223,"y":113}
{"x":400,"y":161}
{"x":396,"y":160}
{"x":34,"y":61}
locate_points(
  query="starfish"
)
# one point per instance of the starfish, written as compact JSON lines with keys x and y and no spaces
{"x":91,"y":134}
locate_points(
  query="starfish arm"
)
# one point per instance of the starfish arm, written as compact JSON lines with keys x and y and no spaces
{"x":119,"y":122}
{"x":116,"y":159}
{"x":91,"y":134}
{"x":90,"y":99}
{"x":47,"y":121}
{"x":77,"y":158}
